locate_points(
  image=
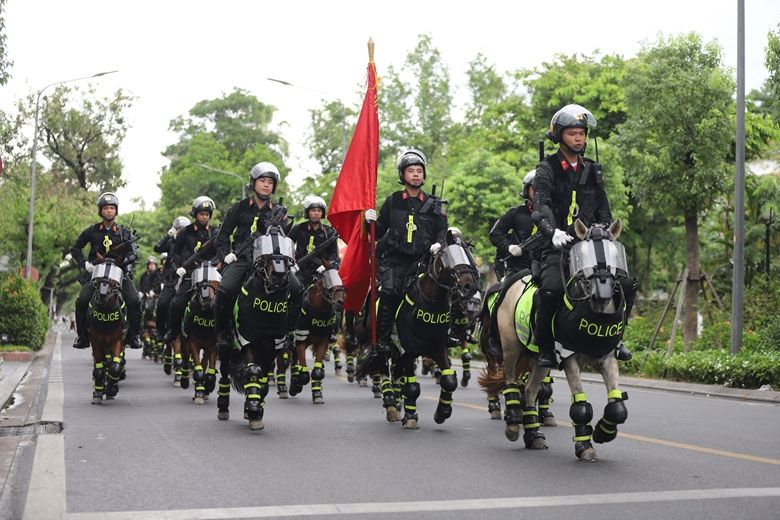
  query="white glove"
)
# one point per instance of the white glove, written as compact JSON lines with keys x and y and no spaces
{"x":172,"y":232}
{"x":230,"y":258}
{"x":321,"y":269}
{"x":294,"y":269}
{"x":89,"y":267}
{"x":435,"y":248}
{"x":561,"y":238}
{"x":150,"y":294}
{"x":140,"y":295}
{"x":180,"y":272}
{"x":515,"y":250}
{"x":370,"y":215}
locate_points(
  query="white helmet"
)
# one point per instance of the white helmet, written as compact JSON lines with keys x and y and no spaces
{"x":180,"y":223}
{"x":528,"y":181}
{"x":313,"y":201}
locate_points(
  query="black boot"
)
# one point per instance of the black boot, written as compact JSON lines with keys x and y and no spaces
{"x":622,"y":352}
{"x":547,"y":358}
{"x":223,"y":323}
{"x":134,"y":326}
{"x":82,"y":341}
{"x":385,"y":315}
{"x":548,"y":304}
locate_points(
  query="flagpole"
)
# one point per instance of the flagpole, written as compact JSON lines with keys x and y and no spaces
{"x":372,"y":238}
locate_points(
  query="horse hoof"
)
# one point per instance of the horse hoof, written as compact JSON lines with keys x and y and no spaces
{"x":391,"y":414}
{"x":537,"y":444}
{"x":350,"y":377}
{"x":284,"y":395}
{"x":549,"y":421}
{"x":167,"y":369}
{"x":588,"y":455}
{"x":318,"y":400}
{"x":363,"y":382}
{"x":199,"y":400}
{"x":512,"y":432}
{"x":464,"y":380}
{"x":97,"y":400}
{"x":495,"y":415}
{"x":410,"y":424}
{"x":223,"y":415}
{"x":256,"y":424}
{"x":177,"y":383}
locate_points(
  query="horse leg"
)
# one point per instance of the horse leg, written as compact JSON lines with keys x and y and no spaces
{"x":256,"y":382}
{"x":494,"y":406}
{"x":580,"y":411}
{"x":282,"y":362}
{"x":210,"y":356}
{"x":410,"y":391}
{"x":167,"y":358}
{"x":123,"y":365}
{"x":186,"y":365}
{"x":350,"y":367}
{"x":318,"y":372}
{"x":376,"y":385}
{"x":448,"y":382}
{"x":336,"y":358}
{"x":615,"y":411}
{"x":114,"y":369}
{"x":297,"y":377}
{"x":223,"y":394}
{"x":544,"y":398}
{"x":532,"y":437}
{"x":465,"y":358}
{"x":177,"y":362}
{"x":198,"y":374}
{"x":513,"y":413}
{"x":98,"y":375}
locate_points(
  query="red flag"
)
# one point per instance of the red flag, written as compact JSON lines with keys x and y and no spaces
{"x":355,"y":192}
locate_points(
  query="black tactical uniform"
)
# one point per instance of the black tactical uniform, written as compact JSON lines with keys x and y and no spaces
{"x":165,"y":246}
{"x":150,"y":281}
{"x":101,"y":239}
{"x":512,"y":228}
{"x":307,"y":236}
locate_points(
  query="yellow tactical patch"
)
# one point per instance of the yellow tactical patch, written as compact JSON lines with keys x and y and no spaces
{"x":523,"y":314}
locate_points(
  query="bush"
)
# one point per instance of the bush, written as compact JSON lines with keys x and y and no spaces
{"x":23,"y":316}
{"x":750,"y":368}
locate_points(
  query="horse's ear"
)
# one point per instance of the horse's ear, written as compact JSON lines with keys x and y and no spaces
{"x":450,"y":237}
{"x":615,"y":229}
{"x":580,"y":229}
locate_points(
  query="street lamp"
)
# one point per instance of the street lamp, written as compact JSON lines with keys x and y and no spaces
{"x":31,"y":214}
{"x":343,"y":121}
{"x":232,"y":174}
{"x":766,"y":216}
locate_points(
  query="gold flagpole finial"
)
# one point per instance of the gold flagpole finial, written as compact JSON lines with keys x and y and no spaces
{"x":370,"y":50}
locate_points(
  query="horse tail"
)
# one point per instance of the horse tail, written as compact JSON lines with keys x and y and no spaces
{"x":491,"y":379}
{"x":238,"y":376}
{"x":368,"y":364}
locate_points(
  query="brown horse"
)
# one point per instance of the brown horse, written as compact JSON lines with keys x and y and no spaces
{"x":199,"y":332}
{"x":106,"y":319}
{"x":323,"y":302}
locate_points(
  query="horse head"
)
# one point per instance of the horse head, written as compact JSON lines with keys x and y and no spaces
{"x":205,"y":281}
{"x":107,"y":282}
{"x":596,"y":263}
{"x":453,"y":268}
{"x":331,"y":287}
{"x":273,"y":256}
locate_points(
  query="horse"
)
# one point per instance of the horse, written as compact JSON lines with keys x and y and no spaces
{"x":151,"y":348}
{"x":349,"y":343}
{"x":587,"y":328}
{"x":106,"y":318}
{"x":261,"y":322}
{"x":323,"y":302}
{"x":198,"y":330}
{"x":422,"y":322}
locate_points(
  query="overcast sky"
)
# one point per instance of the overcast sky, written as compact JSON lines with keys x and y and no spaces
{"x":171,"y":54}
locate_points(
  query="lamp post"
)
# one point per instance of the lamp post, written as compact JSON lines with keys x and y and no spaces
{"x":766,"y":216}
{"x":343,"y":122}
{"x":232,"y":174}
{"x":31,"y":214}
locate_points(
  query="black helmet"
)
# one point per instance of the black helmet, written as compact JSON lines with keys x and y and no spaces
{"x":313,"y":201}
{"x":528,"y":181}
{"x":570,"y":116}
{"x":264,"y":169}
{"x":408,"y":158}
{"x":108,"y":199}
{"x":202,"y":203}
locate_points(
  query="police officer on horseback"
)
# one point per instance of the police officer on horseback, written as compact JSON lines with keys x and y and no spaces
{"x":245,"y":220}
{"x":511,"y":230}
{"x":567,"y":186}
{"x":107,"y":239}
{"x":310,"y":234}
{"x":410,"y":224}
{"x":151,"y":279}
{"x":165,"y":247}
{"x":196,"y":237}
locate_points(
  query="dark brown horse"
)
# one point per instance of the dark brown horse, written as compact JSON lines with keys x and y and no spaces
{"x":323,"y":302}
{"x":106,"y":319}
{"x":422,"y":321}
{"x":199,"y":330}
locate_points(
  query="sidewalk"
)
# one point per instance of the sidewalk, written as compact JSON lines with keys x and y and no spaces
{"x":11,"y":375}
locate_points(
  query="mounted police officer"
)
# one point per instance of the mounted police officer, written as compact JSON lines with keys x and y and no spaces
{"x":310,"y":234}
{"x":567,"y":186}
{"x":165,"y":248}
{"x":196,"y":237}
{"x":511,"y":230}
{"x":151,"y":279}
{"x":107,"y":239}
{"x":410,"y":224}
{"x":245,"y":219}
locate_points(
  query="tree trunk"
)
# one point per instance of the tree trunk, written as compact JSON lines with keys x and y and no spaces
{"x":690,"y":320}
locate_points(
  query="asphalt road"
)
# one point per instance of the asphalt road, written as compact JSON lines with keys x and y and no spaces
{"x":152,"y":453}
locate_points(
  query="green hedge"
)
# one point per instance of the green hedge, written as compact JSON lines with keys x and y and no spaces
{"x":747,"y":369}
{"x":23,"y":316}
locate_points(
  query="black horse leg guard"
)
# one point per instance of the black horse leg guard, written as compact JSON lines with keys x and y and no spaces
{"x":581,"y":413}
{"x":185,"y":371}
{"x":388,"y":394}
{"x":177,"y":364}
{"x":376,"y":382}
{"x":448,"y":383}
{"x":114,"y":373}
{"x":253,"y":405}
{"x":615,"y":412}
{"x":544,"y":398}
{"x":99,"y":379}
{"x":199,"y":378}
{"x":211,"y":380}
{"x":317,"y":375}
{"x":513,"y":413}
{"x":223,"y":397}
{"x":410,"y":392}
{"x":531,"y":426}
{"x":494,"y":405}
{"x":465,"y":358}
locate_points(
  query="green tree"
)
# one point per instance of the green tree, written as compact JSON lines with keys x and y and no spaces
{"x":5,"y":62}
{"x":677,"y":138}
{"x":331,"y":126}
{"x":772,"y":63}
{"x":83,"y":137}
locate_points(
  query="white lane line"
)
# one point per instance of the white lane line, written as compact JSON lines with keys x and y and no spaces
{"x":482,"y":504}
{"x":46,"y":494}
